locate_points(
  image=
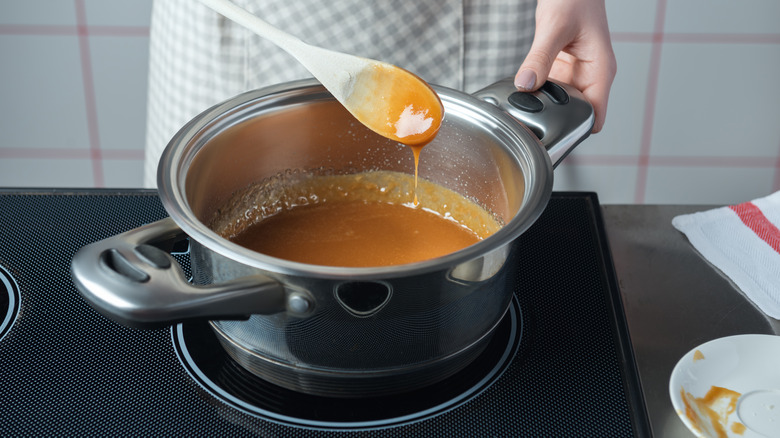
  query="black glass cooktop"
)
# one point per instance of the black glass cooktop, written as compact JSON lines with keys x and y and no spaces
{"x":560,"y":363}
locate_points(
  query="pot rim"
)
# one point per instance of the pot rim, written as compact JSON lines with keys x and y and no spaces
{"x":520,"y":142}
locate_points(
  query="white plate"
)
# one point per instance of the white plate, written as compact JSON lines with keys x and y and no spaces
{"x":730,"y":387}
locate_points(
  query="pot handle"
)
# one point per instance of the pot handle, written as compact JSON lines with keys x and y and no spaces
{"x":558,"y":114}
{"x":132,"y":280}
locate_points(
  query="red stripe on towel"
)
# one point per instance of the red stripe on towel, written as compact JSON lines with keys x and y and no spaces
{"x":754,"y":218}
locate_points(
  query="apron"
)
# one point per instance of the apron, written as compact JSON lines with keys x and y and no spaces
{"x":197,"y":58}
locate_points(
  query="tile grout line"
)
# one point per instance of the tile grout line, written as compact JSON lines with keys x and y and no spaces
{"x":651,"y":94}
{"x":696,"y":38}
{"x":98,"y":177}
{"x":69,"y":153}
{"x":69,"y":30}
{"x":676,"y":160}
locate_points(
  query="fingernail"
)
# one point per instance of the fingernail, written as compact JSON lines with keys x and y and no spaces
{"x":525,"y":80}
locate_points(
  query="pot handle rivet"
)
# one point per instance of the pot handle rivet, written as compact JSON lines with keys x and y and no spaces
{"x":299,"y":303}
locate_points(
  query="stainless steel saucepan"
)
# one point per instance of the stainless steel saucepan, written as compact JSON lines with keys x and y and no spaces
{"x":329,"y":330}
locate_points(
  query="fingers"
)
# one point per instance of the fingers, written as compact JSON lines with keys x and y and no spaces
{"x":593,"y":76}
{"x":572,"y":44}
{"x":598,"y":93}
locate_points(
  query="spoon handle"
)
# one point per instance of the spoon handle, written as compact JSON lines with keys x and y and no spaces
{"x":336,"y":71}
{"x":243,"y":17}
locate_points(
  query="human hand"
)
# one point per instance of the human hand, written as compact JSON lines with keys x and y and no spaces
{"x":572,"y":45}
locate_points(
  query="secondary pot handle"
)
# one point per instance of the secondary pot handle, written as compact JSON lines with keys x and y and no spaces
{"x":130,"y":279}
{"x":558,"y":114}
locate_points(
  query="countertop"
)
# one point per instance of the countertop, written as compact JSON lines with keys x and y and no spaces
{"x":674,"y":300}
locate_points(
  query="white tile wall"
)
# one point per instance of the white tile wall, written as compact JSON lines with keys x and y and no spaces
{"x":721,"y":16}
{"x":706,"y":184}
{"x":713,"y":103}
{"x":73,"y":92}
{"x":38,"y":12}
{"x":120,"y":89}
{"x":693,"y":115}
{"x":116,"y":12}
{"x":42,"y":91}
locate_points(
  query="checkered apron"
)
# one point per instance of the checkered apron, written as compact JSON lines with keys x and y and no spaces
{"x":198,"y":58}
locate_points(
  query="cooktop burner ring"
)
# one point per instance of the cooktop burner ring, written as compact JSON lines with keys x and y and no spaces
{"x":10,"y":299}
{"x":225,"y":380}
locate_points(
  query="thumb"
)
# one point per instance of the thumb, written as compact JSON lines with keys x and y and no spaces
{"x":555,"y":28}
{"x":551,"y":35}
{"x":537,"y":65}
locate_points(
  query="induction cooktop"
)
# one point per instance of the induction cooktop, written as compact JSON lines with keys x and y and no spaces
{"x":559,"y":364}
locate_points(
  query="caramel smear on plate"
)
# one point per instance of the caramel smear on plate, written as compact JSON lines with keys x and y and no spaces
{"x":738,"y":428}
{"x":710,"y":414}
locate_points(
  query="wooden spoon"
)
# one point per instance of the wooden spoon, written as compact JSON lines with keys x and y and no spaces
{"x":387,"y":99}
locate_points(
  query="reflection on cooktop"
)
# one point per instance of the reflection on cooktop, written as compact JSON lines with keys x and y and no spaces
{"x":9,"y":301}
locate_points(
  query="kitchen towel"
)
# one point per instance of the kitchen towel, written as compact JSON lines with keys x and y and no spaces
{"x":743,"y":241}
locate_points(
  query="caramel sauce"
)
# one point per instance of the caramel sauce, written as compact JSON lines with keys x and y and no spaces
{"x":356,"y":234}
{"x":709,"y":414}
{"x":409,"y":112}
{"x":365,"y":219}
{"x":356,"y":220}
{"x":416,"y":150}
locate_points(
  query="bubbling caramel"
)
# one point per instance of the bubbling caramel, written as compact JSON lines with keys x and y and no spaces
{"x":356,"y":220}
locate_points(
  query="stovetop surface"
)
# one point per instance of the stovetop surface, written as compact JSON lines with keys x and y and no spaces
{"x":66,"y":370}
